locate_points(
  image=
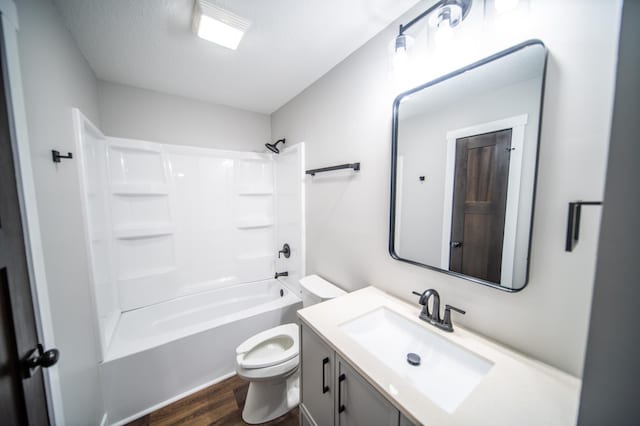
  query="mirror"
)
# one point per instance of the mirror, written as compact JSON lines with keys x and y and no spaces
{"x":464,"y":161}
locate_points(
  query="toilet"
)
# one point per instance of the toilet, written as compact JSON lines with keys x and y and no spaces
{"x":269,"y":360}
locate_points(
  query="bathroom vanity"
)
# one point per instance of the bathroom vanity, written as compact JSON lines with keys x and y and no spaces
{"x":354,"y":370}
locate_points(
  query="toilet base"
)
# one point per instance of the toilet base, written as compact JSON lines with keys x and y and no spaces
{"x":268,"y":400}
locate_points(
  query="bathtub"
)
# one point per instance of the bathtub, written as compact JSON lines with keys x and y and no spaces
{"x":166,"y":351}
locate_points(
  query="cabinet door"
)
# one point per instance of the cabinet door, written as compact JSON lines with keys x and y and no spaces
{"x":405,"y":421}
{"x":358,"y":403}
{"x":305,"y":418}
{"x":317,"y":377}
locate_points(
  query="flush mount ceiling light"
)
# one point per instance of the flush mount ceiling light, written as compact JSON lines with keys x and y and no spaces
{"x":444,"y":15}
{"x":218,"y":25}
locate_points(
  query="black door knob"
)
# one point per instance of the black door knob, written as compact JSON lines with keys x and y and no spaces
{"x":48,"y":358}
{"x":37,"y":358}
{"x":456,"y":244}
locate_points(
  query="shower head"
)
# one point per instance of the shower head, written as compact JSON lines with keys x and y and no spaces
{"x":273,"y":147}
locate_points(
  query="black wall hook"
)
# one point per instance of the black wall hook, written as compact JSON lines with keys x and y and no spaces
{"x":57,"y":157}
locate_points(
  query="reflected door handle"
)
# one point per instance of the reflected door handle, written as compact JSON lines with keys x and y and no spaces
{"x":38,"y":357}
{"x":456,"y":244}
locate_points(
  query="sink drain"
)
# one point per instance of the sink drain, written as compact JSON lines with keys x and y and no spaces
{"x":413,"y":359}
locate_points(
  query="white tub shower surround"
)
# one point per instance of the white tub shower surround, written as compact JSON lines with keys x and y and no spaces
{"x":175,"y":233}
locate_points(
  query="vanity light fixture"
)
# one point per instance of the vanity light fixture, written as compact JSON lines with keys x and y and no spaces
{"x":443,"y":16}
{"x":218,"y":25}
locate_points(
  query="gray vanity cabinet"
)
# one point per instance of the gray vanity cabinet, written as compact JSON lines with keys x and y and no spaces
{"x":358,"y":403}
{"x":317,"y":387}
{"x":329,"y":383}
{"x":405,"y":421}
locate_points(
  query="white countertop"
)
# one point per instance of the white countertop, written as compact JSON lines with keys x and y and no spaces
{"x":517,"y":390}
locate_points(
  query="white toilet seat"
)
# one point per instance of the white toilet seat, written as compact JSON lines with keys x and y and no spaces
{"x":274,"y":372}
{"x":269,"y":348}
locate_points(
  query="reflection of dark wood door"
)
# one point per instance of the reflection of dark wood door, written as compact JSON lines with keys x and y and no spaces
{"x":479,"y":202}
{"x":22,"y":398}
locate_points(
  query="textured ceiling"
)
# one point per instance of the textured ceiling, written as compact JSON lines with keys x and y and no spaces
{"x":290,"y":44}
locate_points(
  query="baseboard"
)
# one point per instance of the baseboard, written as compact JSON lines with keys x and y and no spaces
{"x":171,"y":400}
{"x":105,"y":419}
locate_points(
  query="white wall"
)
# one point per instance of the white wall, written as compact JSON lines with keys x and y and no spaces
{"x":130,"y":112}
{"x":346,"y":116}
{"x":56,"y":78}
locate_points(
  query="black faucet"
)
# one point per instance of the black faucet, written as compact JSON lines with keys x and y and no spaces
{"x":281,"y":274}
{"x":433,"y":317}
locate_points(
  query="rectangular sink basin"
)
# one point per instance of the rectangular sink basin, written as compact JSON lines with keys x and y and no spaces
{"x":447,"y":373}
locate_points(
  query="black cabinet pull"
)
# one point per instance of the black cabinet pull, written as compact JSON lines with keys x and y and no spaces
{"x":341,"y":406}
{"x":325,"y":388}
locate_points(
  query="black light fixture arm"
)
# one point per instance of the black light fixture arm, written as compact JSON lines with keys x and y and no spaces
{"x":464,"y":4}
{"x":418,"y":18}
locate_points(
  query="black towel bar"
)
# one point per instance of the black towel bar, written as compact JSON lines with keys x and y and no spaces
{"x":354,"y":166}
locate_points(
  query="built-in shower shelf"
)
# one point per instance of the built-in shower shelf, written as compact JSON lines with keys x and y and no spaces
{"x":139,"y":189}
{"x":148,"y":273}
{"x":254,"y":193}
{"x":130,"y":232}
{"x":252,"y":223}
{"x":110,"y":321}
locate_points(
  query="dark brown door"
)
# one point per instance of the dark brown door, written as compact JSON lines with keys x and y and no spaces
{"x":22,"y":395}
{"x":479,"y":201}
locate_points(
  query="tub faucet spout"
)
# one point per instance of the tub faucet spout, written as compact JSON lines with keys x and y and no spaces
{"x":281,"y":274}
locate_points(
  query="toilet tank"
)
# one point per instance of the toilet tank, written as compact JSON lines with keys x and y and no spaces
{"x":316,"y":290}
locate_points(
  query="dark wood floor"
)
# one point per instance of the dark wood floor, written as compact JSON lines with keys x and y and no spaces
{"x":220,"y":404}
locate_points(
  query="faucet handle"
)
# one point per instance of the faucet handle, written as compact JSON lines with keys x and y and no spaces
{"x":453,"y":308}
{"x":446,"y":322}
{"x":423,"y":298}
{"x":286,"y":250}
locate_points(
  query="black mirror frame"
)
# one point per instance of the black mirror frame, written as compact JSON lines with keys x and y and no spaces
{"x":394,"y":158}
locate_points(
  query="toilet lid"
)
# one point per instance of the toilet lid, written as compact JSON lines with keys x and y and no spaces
{"x":270,"y":347}
{"x":321,"y":287}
